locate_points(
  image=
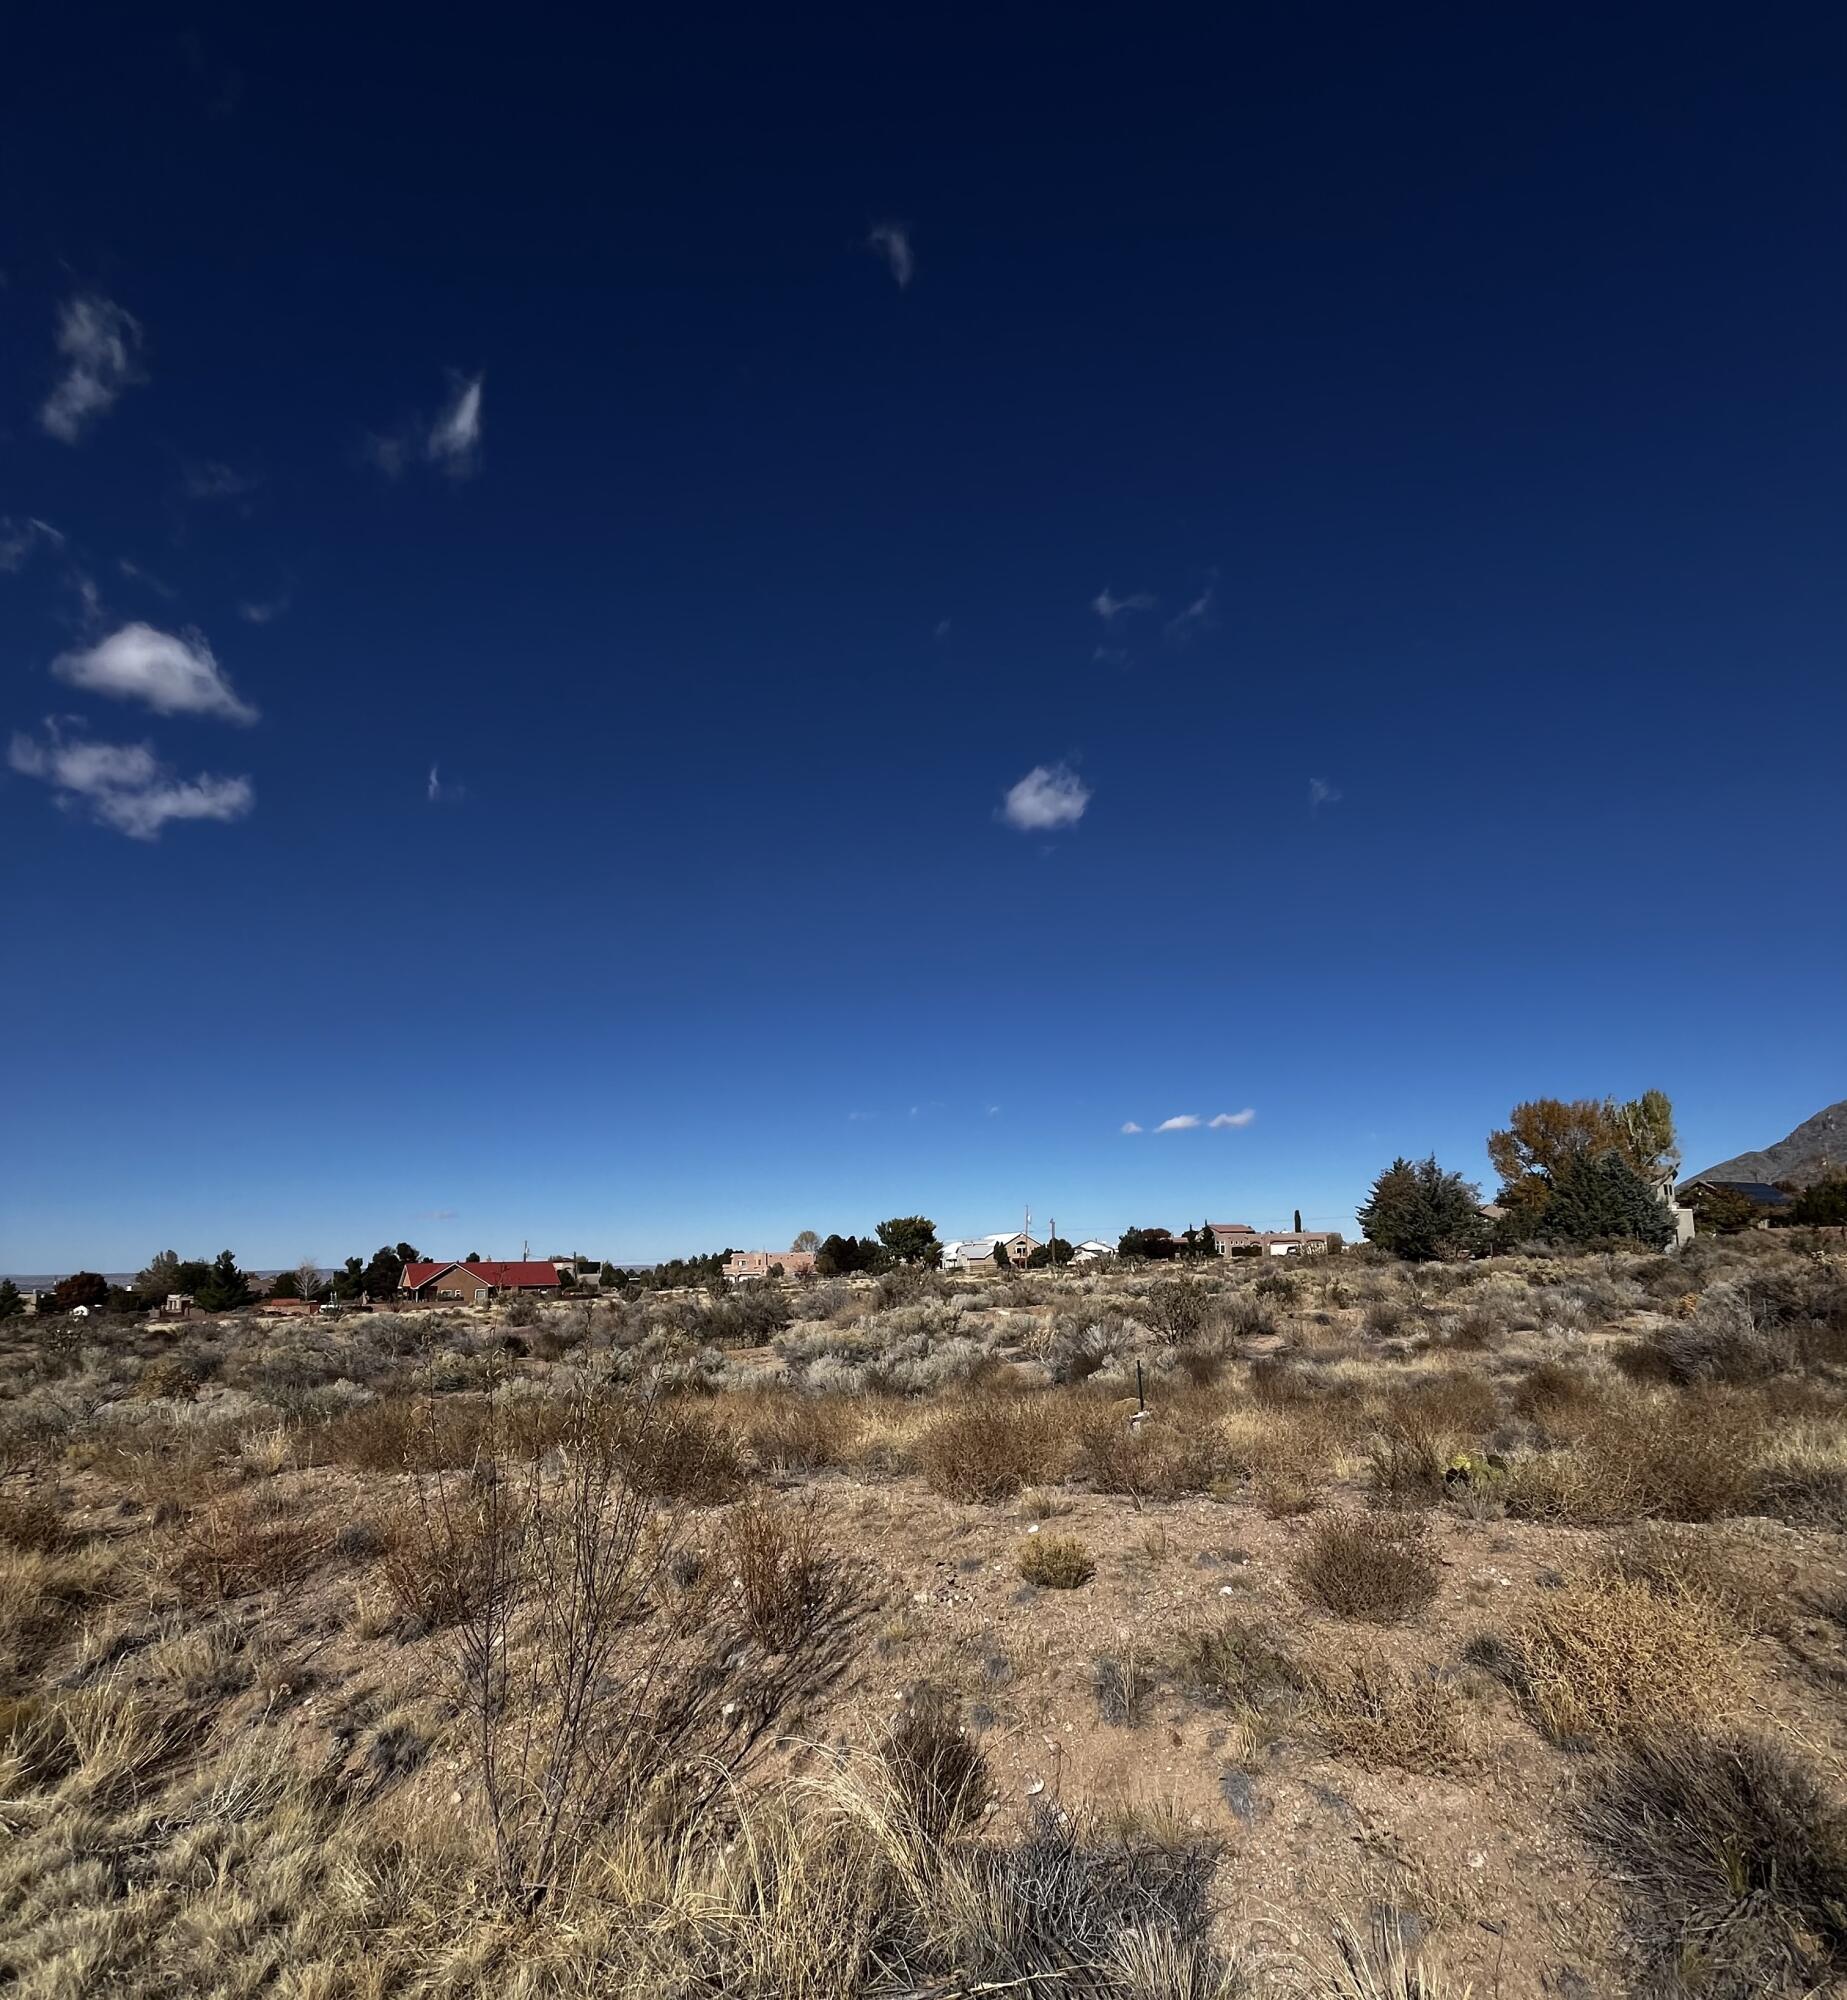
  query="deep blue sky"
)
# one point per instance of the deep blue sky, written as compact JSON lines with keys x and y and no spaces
{"x":1475,"y":375}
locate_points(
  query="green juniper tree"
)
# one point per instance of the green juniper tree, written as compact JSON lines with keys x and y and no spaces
{"x":1418,"y":1211}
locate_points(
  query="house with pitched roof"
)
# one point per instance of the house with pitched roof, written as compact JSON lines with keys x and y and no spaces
{"x":457,"y":1283}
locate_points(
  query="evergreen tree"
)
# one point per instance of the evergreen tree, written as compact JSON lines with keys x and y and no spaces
{"x":1419,"y":1212}
{"x":911,"y":1239}
{"x":225,"y":1288}
{"x":1298,"y":1222}
{"x":1823,"y":1206}
{"x":81,"y":1288}
{"x":385,"y":1273}
{"x":11,"y":1304}
{"x":161,"y":1276}
{"x":287,"y":1286}
{"x":1002,"y":1262}
{"x":1601,"y":1195}
{"x":348,"y":1282}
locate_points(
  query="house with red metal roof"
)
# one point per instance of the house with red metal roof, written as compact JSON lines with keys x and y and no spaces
{"x":474,"y":1283}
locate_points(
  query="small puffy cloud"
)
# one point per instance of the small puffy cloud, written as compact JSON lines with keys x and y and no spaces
{"x":1050,"y":796}
{"x":1227,"y":1120}
{"x":101,"y":346}
{"x":1109,"y":607}
{"x":174,"y":675}
{"x":892,"y":241}
{"x":1198,"y":616}
{"x":1321,"y":793}
{"x":1131,"y":1126}
{"x":993,"y":1110}
{"x":1186,"y":1122}
{"x":124,"y":785}
{"x":454,"y":442}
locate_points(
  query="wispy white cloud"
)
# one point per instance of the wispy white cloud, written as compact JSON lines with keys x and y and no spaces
{"x":211,"y":480}
{"x":892,"y":241}
{"x":263,"y":610}
{"x":455,"y":439}
{"x":436,"y":1215}
{"x":1131,"y":1126}
{"x":860,"y":1117}
{"x":1228,"y":1119}
{"x":1050,"y":796}
{"x":1109,"y":607}
{"x":145,"y":577}
{"x":452,"y":442}
{"x":1199,"y":615}
{"x":1321,"y":793}
{"x":124,"y":785}
{"x":101,"y":346}
{"x":443,"y":791}
{"x":173,"y":675}
{"x":1111,"y":656}
{"x":993,"y":1110}
{"x":1184,"y":1123}
{"x":18,"y":539}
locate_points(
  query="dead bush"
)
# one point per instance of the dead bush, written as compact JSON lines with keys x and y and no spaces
{"x":399,"y":1434}
{"x":1378,"y":1567}
{"x":1158,"y":1458}
{"x":1056,"y":1562}
{"x":1673,"y":1456}
{"x":784,"y":1575}
{"x":1609,"y":1659}
{"x":798,"y":1433}
{"x":1178,"y":1311}
{"x":230,"y":1552}
{"x":1734,"y":1864}
{"x":608,"y":1674}
{"x":678,"y":1451}
{"x":988,"y":1450}
{"x":1383,"y":1719}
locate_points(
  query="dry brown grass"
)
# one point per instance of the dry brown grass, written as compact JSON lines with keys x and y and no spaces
{"x":1384,"y":1718}
{"x":990,"y":1449}
{"x":1669,"y":1455}
{"x":792,"y":1433}
{"x":230,"y":1550}
{"x":1609,"y":1659}
{"x":1378,"y":1567}
{"x":1159,"y":1458}
{"x":33,"y":1522}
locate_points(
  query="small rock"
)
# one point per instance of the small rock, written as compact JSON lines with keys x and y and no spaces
{"x":1035,"y":1788}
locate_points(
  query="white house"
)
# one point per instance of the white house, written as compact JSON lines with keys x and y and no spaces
{"x":974,"y":1253}
{"x":1094,"y":1251}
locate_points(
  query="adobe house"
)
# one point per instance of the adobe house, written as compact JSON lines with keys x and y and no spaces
{"x":456,"y":1283}
{"x":745,"y":1267}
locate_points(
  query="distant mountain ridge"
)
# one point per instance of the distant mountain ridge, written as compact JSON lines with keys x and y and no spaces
{"x":1815,"y":1149}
